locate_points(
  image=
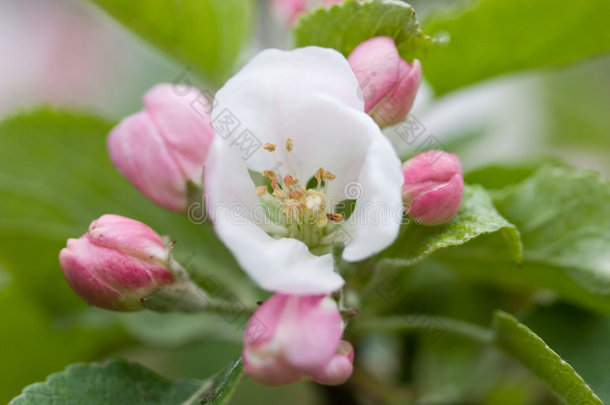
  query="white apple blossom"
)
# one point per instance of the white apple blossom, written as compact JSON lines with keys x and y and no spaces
{"x":292,"y":142}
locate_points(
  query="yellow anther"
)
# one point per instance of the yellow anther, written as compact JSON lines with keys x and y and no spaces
{"x":307,"y":207}
{"x":319,"y":174}
{"x":288,"y":181}
{"x":261,"y":190}
{"x":279,"y":193}
{"x":334,"y":216}
{"x":328,"y":175}
{"x":289,"y":144}
{"x":296,"y":194}
{"x":269,"y":147}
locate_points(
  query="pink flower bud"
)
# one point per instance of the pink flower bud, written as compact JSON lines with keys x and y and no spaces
{"x":433,"y":186}
{"x":292,"y":337}
{"x":289,"y":10}
{"x":388,"y":83}
{"x":116,"y":263}
{"x":339,"y":368}
{"x":163,"y":147}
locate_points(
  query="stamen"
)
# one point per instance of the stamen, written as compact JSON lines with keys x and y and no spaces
{"x":304,"y":210}
{"x":319,"y":175}
{"x":279,"y":193}
{"x":288,"y":181}
{"x":261,"y":190}
{"x":334,"y":217}
{"x":295,"y":194}
{"x":291,"y":207}
{"x":289,"y":144}
{"x":328,"y":175}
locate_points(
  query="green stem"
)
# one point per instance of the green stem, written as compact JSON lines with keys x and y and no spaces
{"x":186,"y":296}
{"x":424,"y":323}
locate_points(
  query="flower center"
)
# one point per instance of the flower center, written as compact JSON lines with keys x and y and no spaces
{"x":304,"y":212}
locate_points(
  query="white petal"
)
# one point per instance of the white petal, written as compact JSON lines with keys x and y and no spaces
{"x":284,"y":265}
{"x":274,"y":98}
{"x":376,"y":219}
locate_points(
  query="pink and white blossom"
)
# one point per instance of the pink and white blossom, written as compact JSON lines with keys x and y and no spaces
{"x":303,"y":107}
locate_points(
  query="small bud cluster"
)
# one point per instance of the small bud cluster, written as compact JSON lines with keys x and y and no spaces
{"x":301,"y":338}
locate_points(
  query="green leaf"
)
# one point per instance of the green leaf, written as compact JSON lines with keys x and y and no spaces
{"x":579,"y":337}
{"x":477,"y":225}
{"x":123,"y":382}
{"x":564,"y":219}
{"x":343,"y":26}
{"x":501,"y":36}
{"x":114,"y":381}
{"x":519,"y":342}
{"x":497,"y":177}
{"x":208,"y":34}
{"x":477,"y":216}
{"x":32,"y":344}
{"x":224,"y":384}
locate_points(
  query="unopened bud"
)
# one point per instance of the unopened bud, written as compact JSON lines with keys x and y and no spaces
{"x":293,"y":337}
{"x":287,"y":11}
{"x":388,"y":83}
{"x":162,"y":149}
{"x":433,"y":186}
{"x":117,"y":263}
